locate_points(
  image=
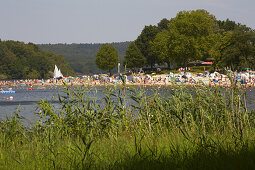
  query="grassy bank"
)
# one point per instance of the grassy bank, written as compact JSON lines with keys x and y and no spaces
{"x":186,"y":128}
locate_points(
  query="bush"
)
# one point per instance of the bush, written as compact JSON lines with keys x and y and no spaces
{"x":3,"y":77}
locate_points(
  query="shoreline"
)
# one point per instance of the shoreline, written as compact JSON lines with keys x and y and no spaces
{"x":226,"y":85}
{"x":183,"y":79}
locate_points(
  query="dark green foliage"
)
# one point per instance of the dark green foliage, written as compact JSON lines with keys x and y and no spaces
{"x":238,"y":49}
{"x":107,"y":57}
{"x":143,"y":42}
{"x":20,"y":61}
{"x":188,"y":33}
{"x":134,"y":57}
{"x":197,"y":35}
{"x":163,"y":24}
{"x":227,"y":25}
{"x":82,"y":56}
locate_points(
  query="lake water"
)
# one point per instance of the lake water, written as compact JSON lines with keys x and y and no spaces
{"x":26,"y":100}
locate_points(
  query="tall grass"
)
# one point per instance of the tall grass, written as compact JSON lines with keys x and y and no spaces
{"x":130,"y":128}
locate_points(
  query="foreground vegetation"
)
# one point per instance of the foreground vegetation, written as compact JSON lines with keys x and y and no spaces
{"x":198,"y":128}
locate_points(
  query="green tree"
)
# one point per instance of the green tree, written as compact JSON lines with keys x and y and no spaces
{"x":196,"y":23}
{"x":237,"y":48}
{"x":33,"y":74}
{"x":188,"y":32}
{"x":160,"y":47}
{"x":134,"y":58}
{"x":107,"y":57}
{"x":19,"y":61}
{"x":209,"y":46}
{"x":143,"y":42}
{"x":163,"y":24}
{"x":183,"y":48}
{"x":227,"y":25}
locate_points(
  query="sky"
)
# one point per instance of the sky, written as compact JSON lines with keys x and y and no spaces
{"x":103,"y":21}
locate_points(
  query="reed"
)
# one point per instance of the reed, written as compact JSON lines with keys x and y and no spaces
{"x":133,"y":128}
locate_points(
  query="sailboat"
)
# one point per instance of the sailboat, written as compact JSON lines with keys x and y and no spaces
{"x":57,"y":73}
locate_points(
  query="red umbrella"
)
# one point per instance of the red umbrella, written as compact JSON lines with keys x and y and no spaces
{"x":207,"y":63}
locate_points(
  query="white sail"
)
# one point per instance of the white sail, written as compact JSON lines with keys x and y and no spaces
{"x":57,"y":73}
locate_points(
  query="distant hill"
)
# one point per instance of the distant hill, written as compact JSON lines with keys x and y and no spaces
{"x":82,"y":56}
{"x":21,"y":61}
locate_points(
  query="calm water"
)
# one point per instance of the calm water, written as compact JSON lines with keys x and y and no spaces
{"x":27,"y":100}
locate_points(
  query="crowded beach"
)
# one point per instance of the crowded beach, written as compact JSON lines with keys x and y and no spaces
{"x":242,"y":79}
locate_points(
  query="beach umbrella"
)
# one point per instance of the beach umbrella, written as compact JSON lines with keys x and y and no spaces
{"x":207,"y":63}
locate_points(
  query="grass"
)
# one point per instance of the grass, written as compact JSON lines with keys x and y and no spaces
{"x":129,"y":128}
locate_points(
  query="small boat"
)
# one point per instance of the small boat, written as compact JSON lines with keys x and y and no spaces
{"x":5,"y":92}
{"x":30,"y":89}
{"x":57,"y":73}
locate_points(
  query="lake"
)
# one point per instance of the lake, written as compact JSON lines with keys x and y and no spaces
{"x":27,"y":100}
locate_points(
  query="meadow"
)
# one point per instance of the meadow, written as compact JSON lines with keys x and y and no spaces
{"x":186,"y":128}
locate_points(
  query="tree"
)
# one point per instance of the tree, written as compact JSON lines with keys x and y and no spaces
{"x":107,"y":57}
{"x":20,"y":61}
{"x":81,"y":57}
{"x":33,"y":74}
{"x":183,"y":48}
{"x":187,"y":31}
{"x":163,"y":24}
{"x":143,"y":42}
{"x":160,"y":47}
{"x":227,"y":25}
{"x":196,"y":23}
{"x":237,"y":48}
{"x":134,"y":58}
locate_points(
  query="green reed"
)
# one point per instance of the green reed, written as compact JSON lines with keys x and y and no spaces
{"x":128,"y":128}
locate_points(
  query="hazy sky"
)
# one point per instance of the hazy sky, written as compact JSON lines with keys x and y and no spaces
{"x":92,"y":21}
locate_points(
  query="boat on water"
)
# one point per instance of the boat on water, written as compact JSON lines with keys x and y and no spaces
{"x":5,"y":92}
{"x":57,"y":73}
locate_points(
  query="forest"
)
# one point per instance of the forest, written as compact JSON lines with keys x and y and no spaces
{"x":27,"y":61}
{"x":82,"y":56}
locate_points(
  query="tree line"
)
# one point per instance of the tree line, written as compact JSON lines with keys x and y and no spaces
{"x":27,"y":61}
{"x":82,"y":56}
{"x":193,"y":35}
